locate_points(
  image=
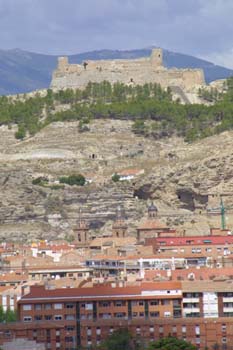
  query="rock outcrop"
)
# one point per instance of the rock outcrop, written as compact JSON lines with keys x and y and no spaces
{"x":183,"y":179}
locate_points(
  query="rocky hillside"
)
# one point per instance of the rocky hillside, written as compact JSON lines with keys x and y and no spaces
{"x":176,"y":175}
{"x":22,"y":71}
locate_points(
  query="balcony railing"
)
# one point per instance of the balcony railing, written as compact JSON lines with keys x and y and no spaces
{"x":191,"y":300}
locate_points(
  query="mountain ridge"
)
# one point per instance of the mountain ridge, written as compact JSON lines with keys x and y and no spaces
{"x":23,"y":71}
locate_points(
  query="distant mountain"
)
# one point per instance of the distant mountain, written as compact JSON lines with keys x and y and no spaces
{"x":22,"y":71}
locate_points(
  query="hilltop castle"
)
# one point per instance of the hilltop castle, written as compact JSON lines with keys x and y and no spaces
{"x":127,"y":71}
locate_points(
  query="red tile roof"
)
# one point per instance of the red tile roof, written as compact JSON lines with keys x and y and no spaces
{"x":194,"y":240}
{"x":39,"y":292}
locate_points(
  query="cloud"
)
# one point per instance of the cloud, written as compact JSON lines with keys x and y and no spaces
{"x":198,"y":27}
{"x":221,"y":58}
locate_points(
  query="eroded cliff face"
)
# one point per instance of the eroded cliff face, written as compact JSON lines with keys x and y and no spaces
{"x":180,"y":178}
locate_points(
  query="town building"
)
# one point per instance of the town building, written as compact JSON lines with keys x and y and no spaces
{"x":200,"y":312}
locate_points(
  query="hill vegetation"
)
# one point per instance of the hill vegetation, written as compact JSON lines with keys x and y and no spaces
{"x":149,"y":106}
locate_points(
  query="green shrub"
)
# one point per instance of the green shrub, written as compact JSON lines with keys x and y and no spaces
{"x":21,"y":133}
{"x":115,"y":177}
{"x":73,"y":180}
{"x":41,"y":180}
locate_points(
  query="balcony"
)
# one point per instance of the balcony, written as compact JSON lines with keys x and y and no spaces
{"x":228,"y":309}
{"x":227,"y":299}
{"x":191,"y":300}
{"x":189,"y":310}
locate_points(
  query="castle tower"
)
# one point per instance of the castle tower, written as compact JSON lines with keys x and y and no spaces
{"x":152,"y":211}
{"x":62,"y":63}
{"x":157,"y":57}
{"x":81,"y":231}
{"x":119,"y":227}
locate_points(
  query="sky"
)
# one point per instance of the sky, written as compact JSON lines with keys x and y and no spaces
{"x":202,"y":28}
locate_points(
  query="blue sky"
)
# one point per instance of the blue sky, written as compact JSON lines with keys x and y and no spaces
{"x":202,"y":28}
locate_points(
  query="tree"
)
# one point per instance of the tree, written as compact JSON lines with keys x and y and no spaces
{"x":171,"y":343}
{"x":115,"y":177}
{"x":21,"y":133}
{"x":121,"y":339}
{"x":73,"y":180}
{"x":10,"y":315}
{"x":2,"y":314}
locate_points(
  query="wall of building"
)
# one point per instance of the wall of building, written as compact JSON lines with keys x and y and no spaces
{"x":134,"y":72}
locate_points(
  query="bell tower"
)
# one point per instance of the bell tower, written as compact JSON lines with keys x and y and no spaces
{"x":119,"y":227}
{"x":82,"y":231}
{"x":152,"y":211}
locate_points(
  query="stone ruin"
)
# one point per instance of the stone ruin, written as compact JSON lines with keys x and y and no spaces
{"x":127,"y":71}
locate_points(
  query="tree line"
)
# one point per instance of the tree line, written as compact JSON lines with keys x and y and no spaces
{"x":150,"y":107}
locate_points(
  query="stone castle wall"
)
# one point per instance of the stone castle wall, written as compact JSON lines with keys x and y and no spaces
{"x":137,"y":71}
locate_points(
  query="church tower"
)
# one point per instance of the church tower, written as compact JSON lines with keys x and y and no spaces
{"x":119,"y":227}
{"x":82,"y":231}
{"x":152,"y":211}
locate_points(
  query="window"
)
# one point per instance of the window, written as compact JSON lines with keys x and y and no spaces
{"x":119,"y":303}
{"x":141,"y":303}
{"x":154,"y":302}
{"x":174,"y":329}
{"x":58,"y":317}
{"x":152,"y":329}
{"x":48,"y":317}
{"x":48,"y":306}
{"x":141,"y":314}
{"x":69,"y":317}
{"x":134,"y":314}
{"x":160,"y":329}
{"x":105,"y":316}
{"x":27,"y":307}
{"x":167,"y":314}
{"x":98,"y":330}
{"x":58,"y":333}
{"x":68,"y":339}
{"x":69,"y":306}
{"x":154,"y":314}
{"x":58,"y":306}
{"x":104,"y":303}
{"x":119,"y":314}
{"x":69,"y":328}
{"x":183,"y":329}
{"x":27,"y":319}
{"x":224,"y":327}
{"x":197,"y":329}
{"x":38,"y":307}
{"x":88,"y":306}
{"x":165,"y":302}
{"x":38,"y":317}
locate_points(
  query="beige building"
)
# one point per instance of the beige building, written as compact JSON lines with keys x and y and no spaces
{"x":133,"y":72}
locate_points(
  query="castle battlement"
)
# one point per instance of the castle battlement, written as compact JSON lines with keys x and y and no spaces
{"x":128,"y":71}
